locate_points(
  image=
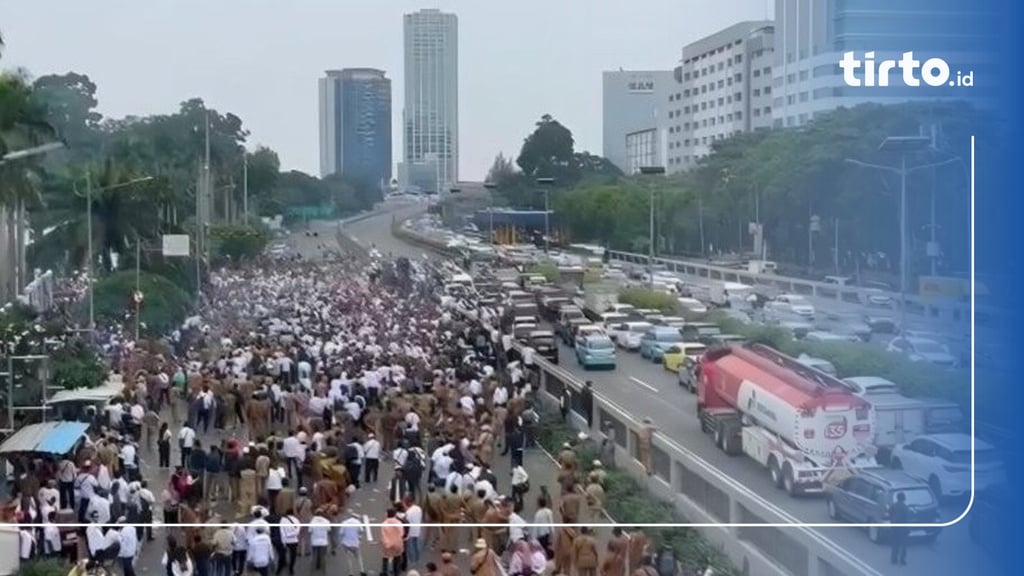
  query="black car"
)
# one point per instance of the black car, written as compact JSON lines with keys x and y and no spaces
{"x":868,"y":497}
{"x":543,"y":341}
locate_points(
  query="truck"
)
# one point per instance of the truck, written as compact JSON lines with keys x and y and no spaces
{"x":599,"y":299}
{"x":804,"y":426}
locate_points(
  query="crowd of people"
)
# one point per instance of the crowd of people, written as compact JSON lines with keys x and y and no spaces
{"x":305,"y":384}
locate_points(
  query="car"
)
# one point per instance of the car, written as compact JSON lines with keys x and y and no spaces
{"x":627,"y":334}
{"x":880,"y":324}
{"x":875,"y":297}
{"x":569,"y":328}
{"x":609,"y":319}
{"x":868,"y":496}
{"x":692,"y":306}
{"x":871,"y":386}
{"x":645,"y":314}
{"x":793,"y":304}
{"x":724,"y":339}
{"x":817,"y":363}
{"x":521,"y":332}
{"x":586,"y":330}
{"x":597,"y":351}
{"x":923,"y":350}
{"x":672,"y":321}
{"x":823,"y":336}
{"x":944,"y":462}
{"x":656,"y":340}
{"x":543,"y":341}
{"x":675,"y":356}
{"x":699,"y":332}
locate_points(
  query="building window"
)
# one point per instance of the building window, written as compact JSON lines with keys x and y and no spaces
{"x":739,"y":77}
{"x":677,"y":128}
{"x":721,"y":101}
{"x":803,"y":96}
{"x":757,"y":112}
{"x":704,"y":140}
{"x":711,"y":103}
{"x":721,"y":83}
{"x":671,"y":97}
{"x":686,"y":77}
{"x":803,"y":119}
{"x":703,"y":71}
{"x":728,"y":81}
{"x":686,"y":92}
{"x":767,"y":71}
{"x":789,"y":60}
{"x":686,"y":109}
{"x":677,"y":95}
{"x":803,"y":75}
{"x":757,"y":92}
{"x":803,"y":53}
{"x":703,"y":105}
{"x":671,"y":130}
{"x":721,"y":120}
{"x":728,"y":99}
{"x":686,"y":142}
{"x":790,"y":78}
{"x":704,"y":123}
{"x":767,"y":89}
{"x":757,"y":73}
{"x":767,"y":110}
{"x":712,"y":120}
{"x":670,"y":114}
{"x":704,"y":89}
{"x":737,"y":97}
{"x":739,"y":115}
{"x":738,"y":58}
{"x":721,"y":65}
{"x":728,"y":117}
{"x":686,"y":126}
{"x":790,"y":99}
{"x":641,"y":149}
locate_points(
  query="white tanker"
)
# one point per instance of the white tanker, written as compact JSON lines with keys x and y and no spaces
{"x":798,"y":422}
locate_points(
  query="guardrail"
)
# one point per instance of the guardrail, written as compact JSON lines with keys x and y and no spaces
{"x":701,"y":492}
{"x":945,"y":311}
{"x":704,"y":494}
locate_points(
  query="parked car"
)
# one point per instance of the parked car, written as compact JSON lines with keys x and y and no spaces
{"x":865,"y":386}
{"x":569,"y":329}
{"x":880,"y":324}
{"x":823,"y":336}
{"x":585,"y":330}
{"x":627,"y":334}
{"x":692,"y":305}
{"x":672,"y":321}
{"x":868,"y":496}
{"x":923,"y":350}
{"x":597,"y":351}
{"x":944,"y":462}
{"x":699,"y":332}
{"x":675,"y":356}
{"x":792,"y":304}
{"x":543,"y":341}
{"x":656,"y":340}
{"x":817,"y":363}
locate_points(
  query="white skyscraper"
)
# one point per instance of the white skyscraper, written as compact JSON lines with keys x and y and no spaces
{"x":430,"y":120}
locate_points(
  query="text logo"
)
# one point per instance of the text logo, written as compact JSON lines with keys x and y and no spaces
{"x":933,"y":72}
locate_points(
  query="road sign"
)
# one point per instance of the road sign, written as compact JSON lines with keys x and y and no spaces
{"x":176,"y":245}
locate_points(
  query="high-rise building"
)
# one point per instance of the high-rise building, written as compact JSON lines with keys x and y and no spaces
{"x":811,"y":37}
{"x":355,"y":125}
{"x":630,"y":105}
{"x":722,"y":87}
{"x":430,"y":119}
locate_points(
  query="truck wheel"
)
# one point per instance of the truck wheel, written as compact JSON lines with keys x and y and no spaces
{"x":789,"y":481}
{"x":775,"y":471}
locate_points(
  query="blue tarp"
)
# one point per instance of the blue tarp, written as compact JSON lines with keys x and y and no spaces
{"x":48,"y":438}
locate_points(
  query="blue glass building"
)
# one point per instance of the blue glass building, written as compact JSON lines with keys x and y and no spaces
{"x":355,"y":125}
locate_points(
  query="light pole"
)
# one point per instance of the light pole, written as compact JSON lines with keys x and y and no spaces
{"x":546,"y":182}
{"x":651,"y":171}
{"x":903,"y":145}
{"x":245,"y":187}
{"x":491,"y":187}
{"x":88,"y":230}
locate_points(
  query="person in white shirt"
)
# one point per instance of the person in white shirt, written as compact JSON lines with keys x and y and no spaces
{"x":290,"y":530}
{"x":413,"y":543}
{"x":186,"y":441}
{"x":129,"y":548}
{"x":371,"y":459}
{"x":295,"y":452}
{"x":412,"y":421}
{"x":52,"y":545}
{"x":350,"y":533}
{"x":239,"y":548}
{"x":129,"y":457}
{"x":275,"y":483}
{"x":261,"y":551}
{"x":99,"y":509}
{"x":27,"y":544}
{"x":520,"y":484}
{"x":95,"y":541}
{"x":500,"y":396}
{"x":319,"y":538}
{"x":516,"y":528}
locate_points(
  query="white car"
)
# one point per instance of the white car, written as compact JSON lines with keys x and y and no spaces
{"x":692,"y":305}
{"x":590,"y":330}
{"x":817,"y":363}
{"x":923,"y":350}
{"x":944,"y":462}
{"x":871,"y":385}
{"x":877,"y":298}
{"x":822,"y":336}
{"x":792,"y":303}
{"x":628,"y":334}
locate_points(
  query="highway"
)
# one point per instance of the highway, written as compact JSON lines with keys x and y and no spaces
{"x":645,"y":389}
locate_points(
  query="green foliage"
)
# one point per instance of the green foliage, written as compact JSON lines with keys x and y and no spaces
{"x":43,"y":568}
{"x":915,"y":379}
{"x":239,"y":242}
{"x":628,"y":502}
{"x":78,"y":365}
{"x":646,"y":298}
{"x":547,"y":270}
{"x":164,"y":306}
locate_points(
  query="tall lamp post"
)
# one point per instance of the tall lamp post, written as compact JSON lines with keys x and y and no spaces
{"x":546,"y":182}
{"x":651,"y":171}
{"x":904,"y":146}
{"x":491,"y":187}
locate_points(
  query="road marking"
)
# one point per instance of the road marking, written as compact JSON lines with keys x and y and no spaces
{"x":644,"y":384}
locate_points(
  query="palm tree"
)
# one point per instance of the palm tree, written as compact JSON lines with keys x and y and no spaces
{"x":126,"y":206}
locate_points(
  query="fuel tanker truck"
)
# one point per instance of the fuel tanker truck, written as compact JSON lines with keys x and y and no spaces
{"x":805,"y":426}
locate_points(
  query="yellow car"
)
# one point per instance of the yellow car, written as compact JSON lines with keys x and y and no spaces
{"x":674,"y":357}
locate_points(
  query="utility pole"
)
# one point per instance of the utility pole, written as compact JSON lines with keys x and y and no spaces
{"x":89,"y":262}
{"x":245,"y":187}
{"x":836,"y":256}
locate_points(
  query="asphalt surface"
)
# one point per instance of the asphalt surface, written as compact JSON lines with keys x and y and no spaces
{"x":644,"y":389}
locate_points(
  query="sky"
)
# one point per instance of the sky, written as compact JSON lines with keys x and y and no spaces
{"x":260,"y":59}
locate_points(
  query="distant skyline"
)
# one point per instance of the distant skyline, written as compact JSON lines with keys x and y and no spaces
{"x":261,"y":59}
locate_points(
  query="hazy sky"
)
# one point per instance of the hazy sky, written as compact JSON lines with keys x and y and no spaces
{"x":260,"y":59}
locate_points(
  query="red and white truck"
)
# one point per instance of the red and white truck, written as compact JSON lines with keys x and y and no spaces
{"x":799,"y":423}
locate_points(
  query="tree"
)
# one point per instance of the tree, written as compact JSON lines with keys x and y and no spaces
{"x":70,"y":103}
{"x":548,"y":152}
{"x":239,"y":242}
{"x":164,"y":306}
{"x":503,"y":171}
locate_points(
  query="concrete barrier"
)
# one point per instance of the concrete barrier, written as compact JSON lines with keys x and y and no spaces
{"x":705,"y":495}
{"x":936,"y":310}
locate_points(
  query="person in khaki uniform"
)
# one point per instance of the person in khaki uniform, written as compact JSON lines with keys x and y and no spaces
{"x":571,"y":505}
{"x":484,"y":561}
{"x":262,"y":470}
{"x":615,"y":558}
{"x":433,"y":514}
{"x":476,"y":508}
{"x":485,"y":446}
{"x":585,"y":554}
{"x":451,"y":513}
{"x":594,"y":495}
{"x":644,"y":438}
{"x":448,"y":566}
{"x":567,"y":458}
{"x":565,"y":537}
{"x":638,"y":543}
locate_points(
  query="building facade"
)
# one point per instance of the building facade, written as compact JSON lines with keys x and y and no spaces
{"x":722,"y":87}
{"x":813,"y":35}
{"x":631,"y":102}
{"x":430,"y":119}
{"x":355,"y":125}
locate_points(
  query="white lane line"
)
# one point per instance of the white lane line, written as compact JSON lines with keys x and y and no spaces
{"x":644,"y":384}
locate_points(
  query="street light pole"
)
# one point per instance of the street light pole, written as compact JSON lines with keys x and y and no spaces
{"x":491,"y":187}
{"x":89,"y":262}
{"x":651,"y":171}
{"x":547,"y":182}
{"x":245,"y":187}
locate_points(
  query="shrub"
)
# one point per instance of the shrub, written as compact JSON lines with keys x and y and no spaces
{"x":547,"y":270}
{"x":239,"y":241}
{"x":628,"y":502}
{"x":646,"y":298}
{"x":43,"y":568}
{"x":77,"y":365}
{"x":164,"y":306}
